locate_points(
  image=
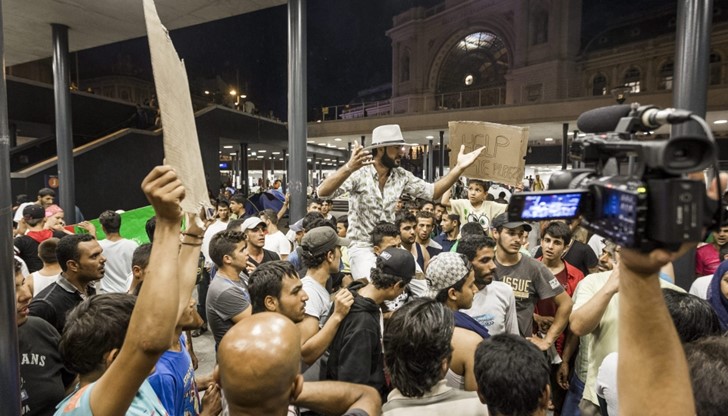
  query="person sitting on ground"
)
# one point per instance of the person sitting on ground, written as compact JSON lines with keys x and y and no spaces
{"x":513,"y":376}
{"x":451,"y":280}
{"x":82,"y":264}
{"x":417,"y":352}
{"x":113,"y":341}
{"x":118,"y":252}
{"x":355,"y":353}
{"x":269,"y":343}
{"x":44,"y":379}
{"x":40,"y":279}
{"x":227,"y":299}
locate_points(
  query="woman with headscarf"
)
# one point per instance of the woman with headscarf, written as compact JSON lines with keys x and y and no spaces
{"x":718,"y":294}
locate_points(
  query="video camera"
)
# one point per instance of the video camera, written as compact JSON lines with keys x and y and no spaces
{"x":633,"y":192}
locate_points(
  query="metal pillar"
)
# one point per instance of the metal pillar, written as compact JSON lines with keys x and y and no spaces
{"x":442,"y":153}
{"x":244,"y":176}
{"x":284,"y":178}
{"x":64,"y":134}
{"x":362,"y":140}
{"x":10,"y":370}
{"x":692,"y":60}
{"x":565,"y":146}
{"x":297,"y":105}
{"x":430,"y":162}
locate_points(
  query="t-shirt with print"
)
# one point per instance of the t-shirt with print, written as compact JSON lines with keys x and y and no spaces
{"x":530,"y":281}
{"x":173,"y":380}
{"x":277,"y":243}
{"x":484,"y":214}
{"x":42,"y":375}
{"x":225,"y":299}
{"x":145,"y":403}
{"x":494,"y":307}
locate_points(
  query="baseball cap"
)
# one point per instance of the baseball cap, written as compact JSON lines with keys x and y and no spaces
{"x":321,"y":240}
{"x":251,"y":223}
{"x":33,"y":212}
{"x":503,"y":221}
{"x":445,"y":270}
{"x":296,"y":226}
{"x":397,"y":262}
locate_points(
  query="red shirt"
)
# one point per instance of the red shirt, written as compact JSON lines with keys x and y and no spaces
{"x":569,"y":277}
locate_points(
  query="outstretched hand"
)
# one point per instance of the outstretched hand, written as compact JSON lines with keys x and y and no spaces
{"x":359,"y":158}
{"x":165,"y":192}
{"x":467,"y":159}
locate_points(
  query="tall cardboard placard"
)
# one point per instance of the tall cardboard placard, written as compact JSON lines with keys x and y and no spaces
{"x":502,"y":160}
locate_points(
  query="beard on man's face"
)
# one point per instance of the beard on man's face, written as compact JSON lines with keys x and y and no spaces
{"x":387,"y":161}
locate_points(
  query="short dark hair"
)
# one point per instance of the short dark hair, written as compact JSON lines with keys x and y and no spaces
{"x":454,"y":217}
{"x":311,"y":220}
{"x":47,"y":250}
{"x":708,"y":364}
{"x":67,"y":248}
{"x":483,"y":184}
{"x":471,"y":244}
{"x":512,"y":374}
{"x":93,"y":328}
{"x":239,"y":198}
{"x":471,"y":228}
{"x":426,"y":214}
{"x":150,"y":226}
{"x":271,"y":215}
{"x":235,"y":225}
{"x":693,"y":317}
{"x":17,"y":266}
{"x":381,"y":230}
{"x":404,"y":216}
{"x":425,"y":202}
{"x":558,"y":229}
{"x":141,"y":254}
{"x":224,"y":203}
{"x":267,"y":280}
{"x":110,"y":221}
{"x":46,"y":192}
{"x":344,"y":219}
{"x":416,"y":339}
{"x":223,"y":244}
{"x":382,"y":280}
{"x":312,"y":201}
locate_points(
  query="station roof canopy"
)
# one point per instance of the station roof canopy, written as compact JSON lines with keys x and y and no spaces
{"x":92,"y":23}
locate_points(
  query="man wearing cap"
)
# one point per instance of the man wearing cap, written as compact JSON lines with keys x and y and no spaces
{"x":530,"y":280}
{"x":322,"y":256}
{"x":44,"y":200}
{"x":375,"y":183}
{"x":355,"y":354}
{"x":27,"y":245}
{"x":451,"y":280}
{"x":255,"y":230}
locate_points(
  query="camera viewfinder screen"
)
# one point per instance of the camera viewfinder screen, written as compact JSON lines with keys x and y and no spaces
{"x":554,"y":206}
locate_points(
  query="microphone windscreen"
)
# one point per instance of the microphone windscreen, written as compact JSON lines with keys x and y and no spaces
{"x":602,"y":119}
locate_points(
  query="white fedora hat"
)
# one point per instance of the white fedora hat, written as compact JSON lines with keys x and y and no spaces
{"x":387,"y":135}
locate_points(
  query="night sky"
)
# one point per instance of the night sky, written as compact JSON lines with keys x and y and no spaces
{"x":348,"y":50}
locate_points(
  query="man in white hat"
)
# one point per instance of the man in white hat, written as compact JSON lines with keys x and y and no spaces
{"x":375,"y":181}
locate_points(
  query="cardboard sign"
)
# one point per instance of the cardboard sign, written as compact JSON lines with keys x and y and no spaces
{"x":502,"y":160}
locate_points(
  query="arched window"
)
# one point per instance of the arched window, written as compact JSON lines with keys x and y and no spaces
{"x":599,"y":85}
{"x":404,"y":66}
{"x":632,"y":79}
{"x":716,"y":69}
{"x":665,"y":74}
{"x":540,"y":27}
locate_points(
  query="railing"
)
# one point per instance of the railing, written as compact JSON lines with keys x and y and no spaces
{"x":417,"y":104}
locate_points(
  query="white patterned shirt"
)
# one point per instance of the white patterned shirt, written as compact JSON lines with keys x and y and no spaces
{"x":368,"y":205}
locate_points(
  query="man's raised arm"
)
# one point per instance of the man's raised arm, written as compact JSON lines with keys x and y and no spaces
{"x":463,"y":161}
{"x":359,"y":157}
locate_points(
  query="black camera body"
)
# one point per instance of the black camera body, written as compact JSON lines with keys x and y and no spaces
{"x":651,"y":205}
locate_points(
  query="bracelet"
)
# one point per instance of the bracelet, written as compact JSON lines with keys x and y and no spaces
{"x":193,"y":235}
{"x":190,"y":244}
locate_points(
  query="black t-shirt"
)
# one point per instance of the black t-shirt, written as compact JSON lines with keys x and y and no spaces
{"x":53,"y":304}
{"x":579,"y":255}
{"x":42,"y":376}
{"x":267,"y":256}
{"x":28,"y":249}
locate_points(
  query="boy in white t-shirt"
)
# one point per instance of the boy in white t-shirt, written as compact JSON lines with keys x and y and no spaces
{"x":475,"y":208}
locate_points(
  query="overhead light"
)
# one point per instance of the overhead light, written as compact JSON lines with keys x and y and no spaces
{"x":308,"y":160}
{"x":331,"y":145}
{"x":311,"y":141}
{"x":233,"y":92}
{"x":253,"y":153}
{"x":338,"y":139}
{"x":233,"y":154}
{"x":342,"y":147}
{"x":327,"y":159}
{"x":429,"y":137}
{"x":243,"y":96}
{"x":227,"y":147}
{"x":262,"y":151}
{"x":571,"y":133}
{"x":322,"y":144}
{"x":275,"y":153}
{"x":549,"y":139}
{"x":280,"y":159}
{"x":318,"y":121}
{"x":260,"y":156}
{"x":720,"y":122}
{"x":207,"y":92}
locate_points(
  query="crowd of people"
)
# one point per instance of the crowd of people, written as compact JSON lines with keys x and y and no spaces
{"x":440,"y":306}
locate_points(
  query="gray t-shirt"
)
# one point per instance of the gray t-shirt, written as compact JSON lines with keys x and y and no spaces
{"x":530,"y":281}
{"x":494,"y":307}
{"x":319,"y":300}
{"x":225,"y":299}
